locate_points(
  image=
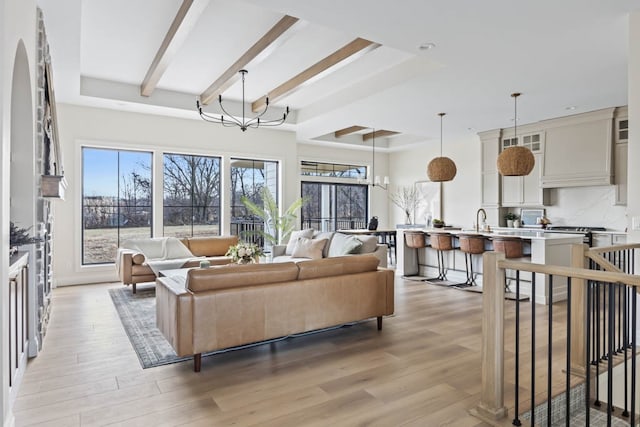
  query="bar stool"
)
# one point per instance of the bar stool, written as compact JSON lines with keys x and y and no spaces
{"x":512,"y":247}
{"x":415,"y":239}
{"x":441,"y":242}
{"x":470,"y":244}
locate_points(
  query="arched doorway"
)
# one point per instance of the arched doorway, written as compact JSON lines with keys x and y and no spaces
{"x":18,"y":299}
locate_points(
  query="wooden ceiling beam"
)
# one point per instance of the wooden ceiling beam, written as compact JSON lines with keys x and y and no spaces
{"x":230,"y":76}
{"x":341,"y":57}
{"x":182,"y":24}
{"x":347,"y":131}
{"x":378,"y":134}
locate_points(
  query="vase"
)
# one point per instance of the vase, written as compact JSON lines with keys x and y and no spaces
{"x":407,"y":219}
{"x":246,"y":260}
{"x":510,"y":223}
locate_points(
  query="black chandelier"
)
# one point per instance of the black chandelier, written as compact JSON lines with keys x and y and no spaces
{"x":228,"y":120}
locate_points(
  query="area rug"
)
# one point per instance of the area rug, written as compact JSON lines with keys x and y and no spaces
{"x":138,"y":315}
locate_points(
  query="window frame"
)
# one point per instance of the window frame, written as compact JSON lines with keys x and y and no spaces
{"x":84,"y":147}
{"x":219,"y":159}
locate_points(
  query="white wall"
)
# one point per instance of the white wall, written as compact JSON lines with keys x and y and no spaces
{"x":80,"y":126}
{"x":460,"y":197}
{"x":17,"y":23}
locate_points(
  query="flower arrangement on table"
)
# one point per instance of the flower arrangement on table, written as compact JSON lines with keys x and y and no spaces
{"x":244,"y":253}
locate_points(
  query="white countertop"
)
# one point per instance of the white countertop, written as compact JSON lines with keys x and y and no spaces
{"x":515,"y":232}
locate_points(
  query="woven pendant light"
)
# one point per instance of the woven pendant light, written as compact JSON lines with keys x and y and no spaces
{"x":441,"y":169}
{"x":516,"y":160}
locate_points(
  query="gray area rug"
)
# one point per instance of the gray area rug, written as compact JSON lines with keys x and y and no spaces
{"x":138,"y":316}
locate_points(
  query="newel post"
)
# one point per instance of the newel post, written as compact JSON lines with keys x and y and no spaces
{"x":491,"y":406}
{"x":578,"y":313}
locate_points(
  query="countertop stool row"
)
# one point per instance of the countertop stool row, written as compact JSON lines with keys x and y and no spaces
{"x":470,"y":244}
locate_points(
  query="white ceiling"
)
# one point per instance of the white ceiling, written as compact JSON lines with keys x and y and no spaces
{"x":557,"y":53}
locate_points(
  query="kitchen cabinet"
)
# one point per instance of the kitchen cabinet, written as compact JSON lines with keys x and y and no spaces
{"x":620,"y":155}
{"x":490,"y":186}
{"x":490,"y":182}
{"x":608,"y":239}
{"x":526,"y":191}
{"x":578,"y":150}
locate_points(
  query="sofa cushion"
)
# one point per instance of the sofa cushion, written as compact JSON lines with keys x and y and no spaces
{"x":337,"y":266}
{"x":369,"y":244}
{"x":308,"y":248}
{"x":234,"y":275}
{"x":343,"y":244}
{"x":211,"y":245}
{"x":307,"y":233}
{"x":325,"y":235}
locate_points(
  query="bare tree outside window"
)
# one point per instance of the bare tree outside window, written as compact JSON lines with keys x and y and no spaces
{"x":191,"y":195}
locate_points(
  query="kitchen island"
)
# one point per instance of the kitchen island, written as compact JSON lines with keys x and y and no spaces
{"x":539,"y":247}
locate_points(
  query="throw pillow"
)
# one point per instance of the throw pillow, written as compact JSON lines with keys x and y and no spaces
{"x":343,"y":244}
{"x":325,"y":235}
{"x":306,"y":233}
{"x":308,"y":248}
{"x":369,"y":244}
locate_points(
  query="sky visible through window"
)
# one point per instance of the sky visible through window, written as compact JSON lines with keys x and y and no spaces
{"x":100,"y":170}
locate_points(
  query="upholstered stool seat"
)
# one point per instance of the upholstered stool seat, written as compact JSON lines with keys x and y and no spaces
{"x":512,"y":247}
{"x":415,"y":239}
{"x":470,"y":244}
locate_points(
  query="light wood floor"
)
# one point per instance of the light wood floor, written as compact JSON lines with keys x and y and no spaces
{"x":422,"y":369}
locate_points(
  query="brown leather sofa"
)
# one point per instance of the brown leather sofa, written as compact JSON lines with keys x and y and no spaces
{"x":232,"y":305}
{"x":131,"y":264}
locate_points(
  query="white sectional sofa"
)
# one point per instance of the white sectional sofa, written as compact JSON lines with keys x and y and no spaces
{"x":307,"y":244}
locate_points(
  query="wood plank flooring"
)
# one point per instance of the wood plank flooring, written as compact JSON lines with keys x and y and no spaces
{"x":422,"y":369}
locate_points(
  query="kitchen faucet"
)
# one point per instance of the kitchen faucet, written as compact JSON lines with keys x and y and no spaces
{"x":484,"y":218}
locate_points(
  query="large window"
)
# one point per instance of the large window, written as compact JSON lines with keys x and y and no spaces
{"x":116,"y":201}
{"x":334,"y":206}
{"x":249,"y":178}
{"x":191,"y":195}
{"x":333,"y":170}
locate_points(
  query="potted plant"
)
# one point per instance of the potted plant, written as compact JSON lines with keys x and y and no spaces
{"x":438,"y":223}
{"x":19,"y":236}
{"x":510,"y":217}
{"x":277,"y":228}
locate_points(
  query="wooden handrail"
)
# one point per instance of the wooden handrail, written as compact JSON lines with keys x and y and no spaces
{"x":601,"y":249}
{"x":578,"y":273}
{"x":491,"y":407}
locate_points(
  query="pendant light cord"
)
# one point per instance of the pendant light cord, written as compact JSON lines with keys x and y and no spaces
{"x":441,"y":116}
{"x":515,"y":115}
{"x":373,"y":156}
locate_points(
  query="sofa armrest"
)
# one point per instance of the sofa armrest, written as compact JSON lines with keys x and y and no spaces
{"x":382,"y":252}
{"x":124,"y":264}
{"x":278,"y":250}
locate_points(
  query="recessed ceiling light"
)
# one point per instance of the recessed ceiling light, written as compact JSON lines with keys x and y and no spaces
{"x":571,"y":107}
{"x":426,"y":46}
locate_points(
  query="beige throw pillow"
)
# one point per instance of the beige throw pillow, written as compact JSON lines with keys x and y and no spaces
{"x":308,"y":248}
{"x":369,"y":244}
{"x":306,"y":233}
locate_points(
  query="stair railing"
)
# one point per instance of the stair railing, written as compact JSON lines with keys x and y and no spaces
{"x":600,"y":319}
